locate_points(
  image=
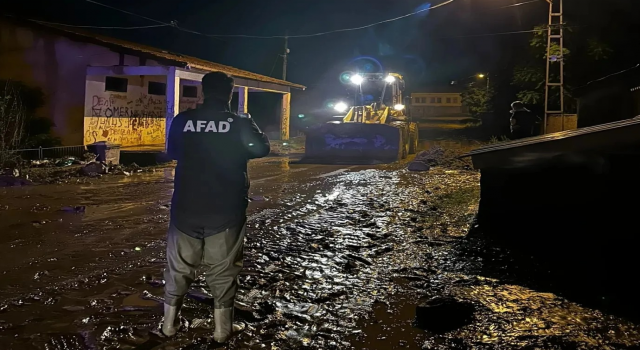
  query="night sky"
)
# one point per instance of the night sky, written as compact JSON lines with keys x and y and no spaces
{"x":431,"y":48}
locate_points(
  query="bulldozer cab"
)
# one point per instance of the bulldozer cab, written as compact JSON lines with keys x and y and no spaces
{"x":379,"y":90}
{"x":379,"y":98}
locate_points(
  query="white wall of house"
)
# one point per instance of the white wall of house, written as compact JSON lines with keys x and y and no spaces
{"x":133,"y":117}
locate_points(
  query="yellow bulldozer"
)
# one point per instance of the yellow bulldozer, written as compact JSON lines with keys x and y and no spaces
{"x":375,"y":130}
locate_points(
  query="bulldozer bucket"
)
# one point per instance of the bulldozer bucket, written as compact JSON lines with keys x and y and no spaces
{"x":354,"y":143}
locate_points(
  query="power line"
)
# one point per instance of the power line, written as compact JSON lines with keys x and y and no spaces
{"x":127,"y":12}
{"x":496,"y":34}
{"x":175,"y":25}
{"x":99,"y":27}
{"x":513,"y":32}
{"x":172,"y":23}
{"x":276,"y":36}
{"x":274,"y":65}
{"x":345,"y":29}
{"x":519,"y":4}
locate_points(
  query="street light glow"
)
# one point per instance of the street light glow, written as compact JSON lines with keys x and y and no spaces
{"x":390,"y":79}
{"x":398,"y":107}
{"x":357,"y":79}
{"x":481,"y":75}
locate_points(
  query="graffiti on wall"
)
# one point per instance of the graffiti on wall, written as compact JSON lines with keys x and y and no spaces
{"x":126,"y":121}
{"x":130,"y":121}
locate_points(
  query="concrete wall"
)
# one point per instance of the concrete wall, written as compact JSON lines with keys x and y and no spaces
{"x":131,"y":118}
{"x":555,"y":123}
{"x":58,"y":66}
{"x":573,"y":217}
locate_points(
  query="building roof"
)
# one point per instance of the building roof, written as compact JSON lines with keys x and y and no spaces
{"x":164,"y":56}
{"x":603,"y":136}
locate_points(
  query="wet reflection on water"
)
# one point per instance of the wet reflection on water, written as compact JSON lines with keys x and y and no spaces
{"x":331,"y":262}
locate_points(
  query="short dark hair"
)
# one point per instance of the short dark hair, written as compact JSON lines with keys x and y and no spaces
{"x":217,"y":85}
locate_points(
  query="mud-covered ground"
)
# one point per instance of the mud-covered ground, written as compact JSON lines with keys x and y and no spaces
{"x":336,"y":257}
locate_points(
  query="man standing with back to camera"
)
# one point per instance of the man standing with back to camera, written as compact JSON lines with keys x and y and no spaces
{"x":210,"y":198}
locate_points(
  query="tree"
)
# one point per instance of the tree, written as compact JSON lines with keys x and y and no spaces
{"x":12,"y":121}
{"x":477,"y":99}
{"x":529,"y":76}
{"x":20,"y":127}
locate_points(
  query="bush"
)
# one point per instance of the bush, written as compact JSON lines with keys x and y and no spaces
{"x":19,"y":125}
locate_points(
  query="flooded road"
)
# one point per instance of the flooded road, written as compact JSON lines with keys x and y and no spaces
{"x":337,"y":257}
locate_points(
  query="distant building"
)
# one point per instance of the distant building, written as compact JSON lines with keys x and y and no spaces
{"x":438,"y":105}
{"x":99,"y":88}
{"x":612,"y":98}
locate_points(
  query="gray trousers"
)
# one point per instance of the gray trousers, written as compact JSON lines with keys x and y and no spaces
{"x":221,"y":257}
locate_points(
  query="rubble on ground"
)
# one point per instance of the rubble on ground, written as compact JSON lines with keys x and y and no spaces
{"x":13,"y":181}
{"x":439,"y":157}
{"x":417,"y":165}
{"x":64,"y":170}
{"x":94,"y":169}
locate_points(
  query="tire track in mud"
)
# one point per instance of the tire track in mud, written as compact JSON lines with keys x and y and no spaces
{"x":268,"y":241}
{"x":113,"y":271}
{"x":120,"y":218}
{"x":315,"y":267}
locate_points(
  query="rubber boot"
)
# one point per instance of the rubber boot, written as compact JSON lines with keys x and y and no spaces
{"x":224,"y":324}
{"x":171,"y":321}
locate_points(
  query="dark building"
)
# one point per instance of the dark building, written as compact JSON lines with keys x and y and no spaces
{"x":612,"y":98}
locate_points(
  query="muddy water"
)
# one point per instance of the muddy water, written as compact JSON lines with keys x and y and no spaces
{"x":336,"y":257}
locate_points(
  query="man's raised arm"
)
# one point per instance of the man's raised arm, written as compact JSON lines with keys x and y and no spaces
{"x":254,"y":140}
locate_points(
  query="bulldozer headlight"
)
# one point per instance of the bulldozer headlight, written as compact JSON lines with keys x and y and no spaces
{"x":357,"y":79}
{"x":340,"y":107}
{"x":390,"y":79}
{"x":398,"y":107}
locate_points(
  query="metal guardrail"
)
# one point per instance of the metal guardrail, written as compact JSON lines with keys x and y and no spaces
{"x":41,"y":153}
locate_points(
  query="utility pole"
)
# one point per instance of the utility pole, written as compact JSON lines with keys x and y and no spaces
{"x":554,"y":35}
{"x":285,"y":56}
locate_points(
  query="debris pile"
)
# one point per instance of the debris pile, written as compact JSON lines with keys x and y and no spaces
{"x":94,"y":169}
{"x":97,"y":169}
{"x":11,"y":178}
{"x":440,"y":157}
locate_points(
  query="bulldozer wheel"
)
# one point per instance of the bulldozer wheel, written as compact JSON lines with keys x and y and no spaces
{"x":402,"y":154}
{"x":406,"y":147}
{"x":413,"y":143}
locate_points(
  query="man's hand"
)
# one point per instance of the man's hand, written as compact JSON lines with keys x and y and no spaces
{"x":254,"y":140}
